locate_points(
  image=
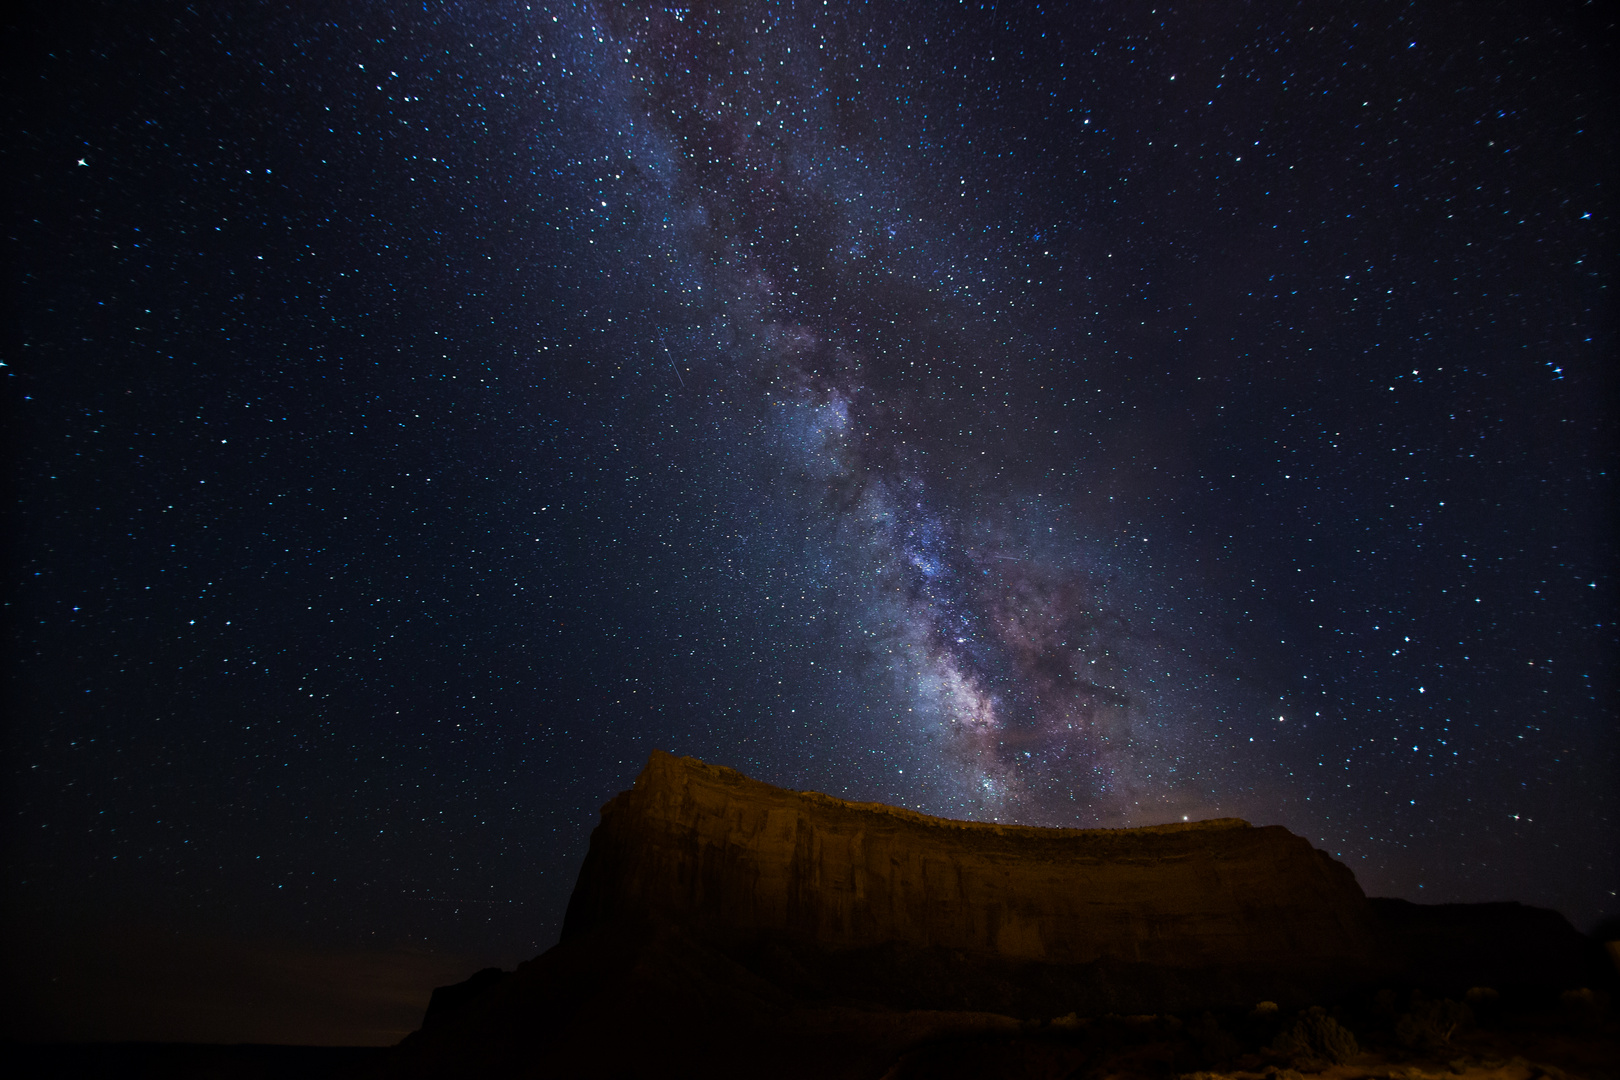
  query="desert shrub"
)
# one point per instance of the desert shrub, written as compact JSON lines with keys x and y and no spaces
{"x":1485,"y":1002}
{"x":1317,"y":1038}
{"x":1429,"y":1024}
{"x":1584,"y":1004}
{"x":1214,"y":1045}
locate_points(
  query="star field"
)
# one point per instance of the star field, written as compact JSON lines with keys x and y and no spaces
{"x":1072,"y":417}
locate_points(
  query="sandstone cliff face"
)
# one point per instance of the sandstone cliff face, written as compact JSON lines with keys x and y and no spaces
{"x":734,"y":860}
{"x":722,"y":927}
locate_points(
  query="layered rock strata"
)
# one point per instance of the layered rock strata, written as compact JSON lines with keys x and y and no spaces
{"x":722,"y":927}
{"x":735,"y":861}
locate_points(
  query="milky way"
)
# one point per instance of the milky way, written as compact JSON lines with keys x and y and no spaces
{"x":826,"y":281}
{"x":1096,"y":414}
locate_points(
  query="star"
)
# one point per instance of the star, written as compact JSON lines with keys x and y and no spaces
{"x":939,"y":310}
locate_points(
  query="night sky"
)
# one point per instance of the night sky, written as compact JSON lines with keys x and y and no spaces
{"x":1088,"y":415}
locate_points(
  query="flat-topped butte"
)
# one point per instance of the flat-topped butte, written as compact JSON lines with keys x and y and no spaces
{"x":735,"y":860}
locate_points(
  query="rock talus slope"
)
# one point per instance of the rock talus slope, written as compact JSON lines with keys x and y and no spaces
{"x":734,"y":860}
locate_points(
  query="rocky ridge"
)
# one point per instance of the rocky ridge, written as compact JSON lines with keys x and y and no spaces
{"x":724,"y":927}
{"x":736,"y":861}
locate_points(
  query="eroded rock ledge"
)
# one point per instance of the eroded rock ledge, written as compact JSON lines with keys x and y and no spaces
{"x":734,"y":860}
{"x":722,"y":927}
